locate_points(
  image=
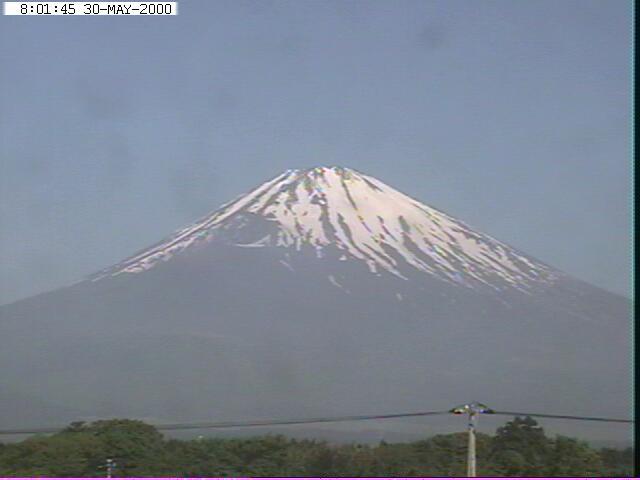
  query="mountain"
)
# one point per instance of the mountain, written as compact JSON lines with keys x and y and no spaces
{"x":320,"y":292}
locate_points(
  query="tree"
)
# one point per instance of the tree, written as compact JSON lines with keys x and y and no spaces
{"x":134,"y":445}
{"x":520,"y":448}
{"x":617,"y":463}
{"x":56,"y":456}
{"x":572,"y":458}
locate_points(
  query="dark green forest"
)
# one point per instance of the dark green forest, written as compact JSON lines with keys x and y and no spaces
{"x":519,"y":448}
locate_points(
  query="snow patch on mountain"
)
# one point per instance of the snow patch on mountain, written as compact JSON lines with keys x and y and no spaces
{"x":366,"y":220}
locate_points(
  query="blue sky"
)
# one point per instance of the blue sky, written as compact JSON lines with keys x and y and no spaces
{"x":511,"y":116}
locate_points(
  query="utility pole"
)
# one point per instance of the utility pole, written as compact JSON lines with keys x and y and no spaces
{"x":110,"y":464}
{"x":473,"y":410}
{"x":471,"y":447}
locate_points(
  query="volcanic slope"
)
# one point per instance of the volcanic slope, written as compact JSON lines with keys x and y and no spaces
{"x":321,"y":291}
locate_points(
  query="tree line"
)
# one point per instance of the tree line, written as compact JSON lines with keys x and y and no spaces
{"x":520,"y":448}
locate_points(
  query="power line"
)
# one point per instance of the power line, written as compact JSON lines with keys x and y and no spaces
{"x":565,"y":417}
{"x":301,"y":421}
{"x":248,"y":423}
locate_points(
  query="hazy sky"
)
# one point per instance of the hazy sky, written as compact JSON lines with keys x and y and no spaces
{"x":512,"y":116}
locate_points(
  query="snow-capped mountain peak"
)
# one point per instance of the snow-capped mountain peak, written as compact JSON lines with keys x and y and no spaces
{"x":365,"y":219}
